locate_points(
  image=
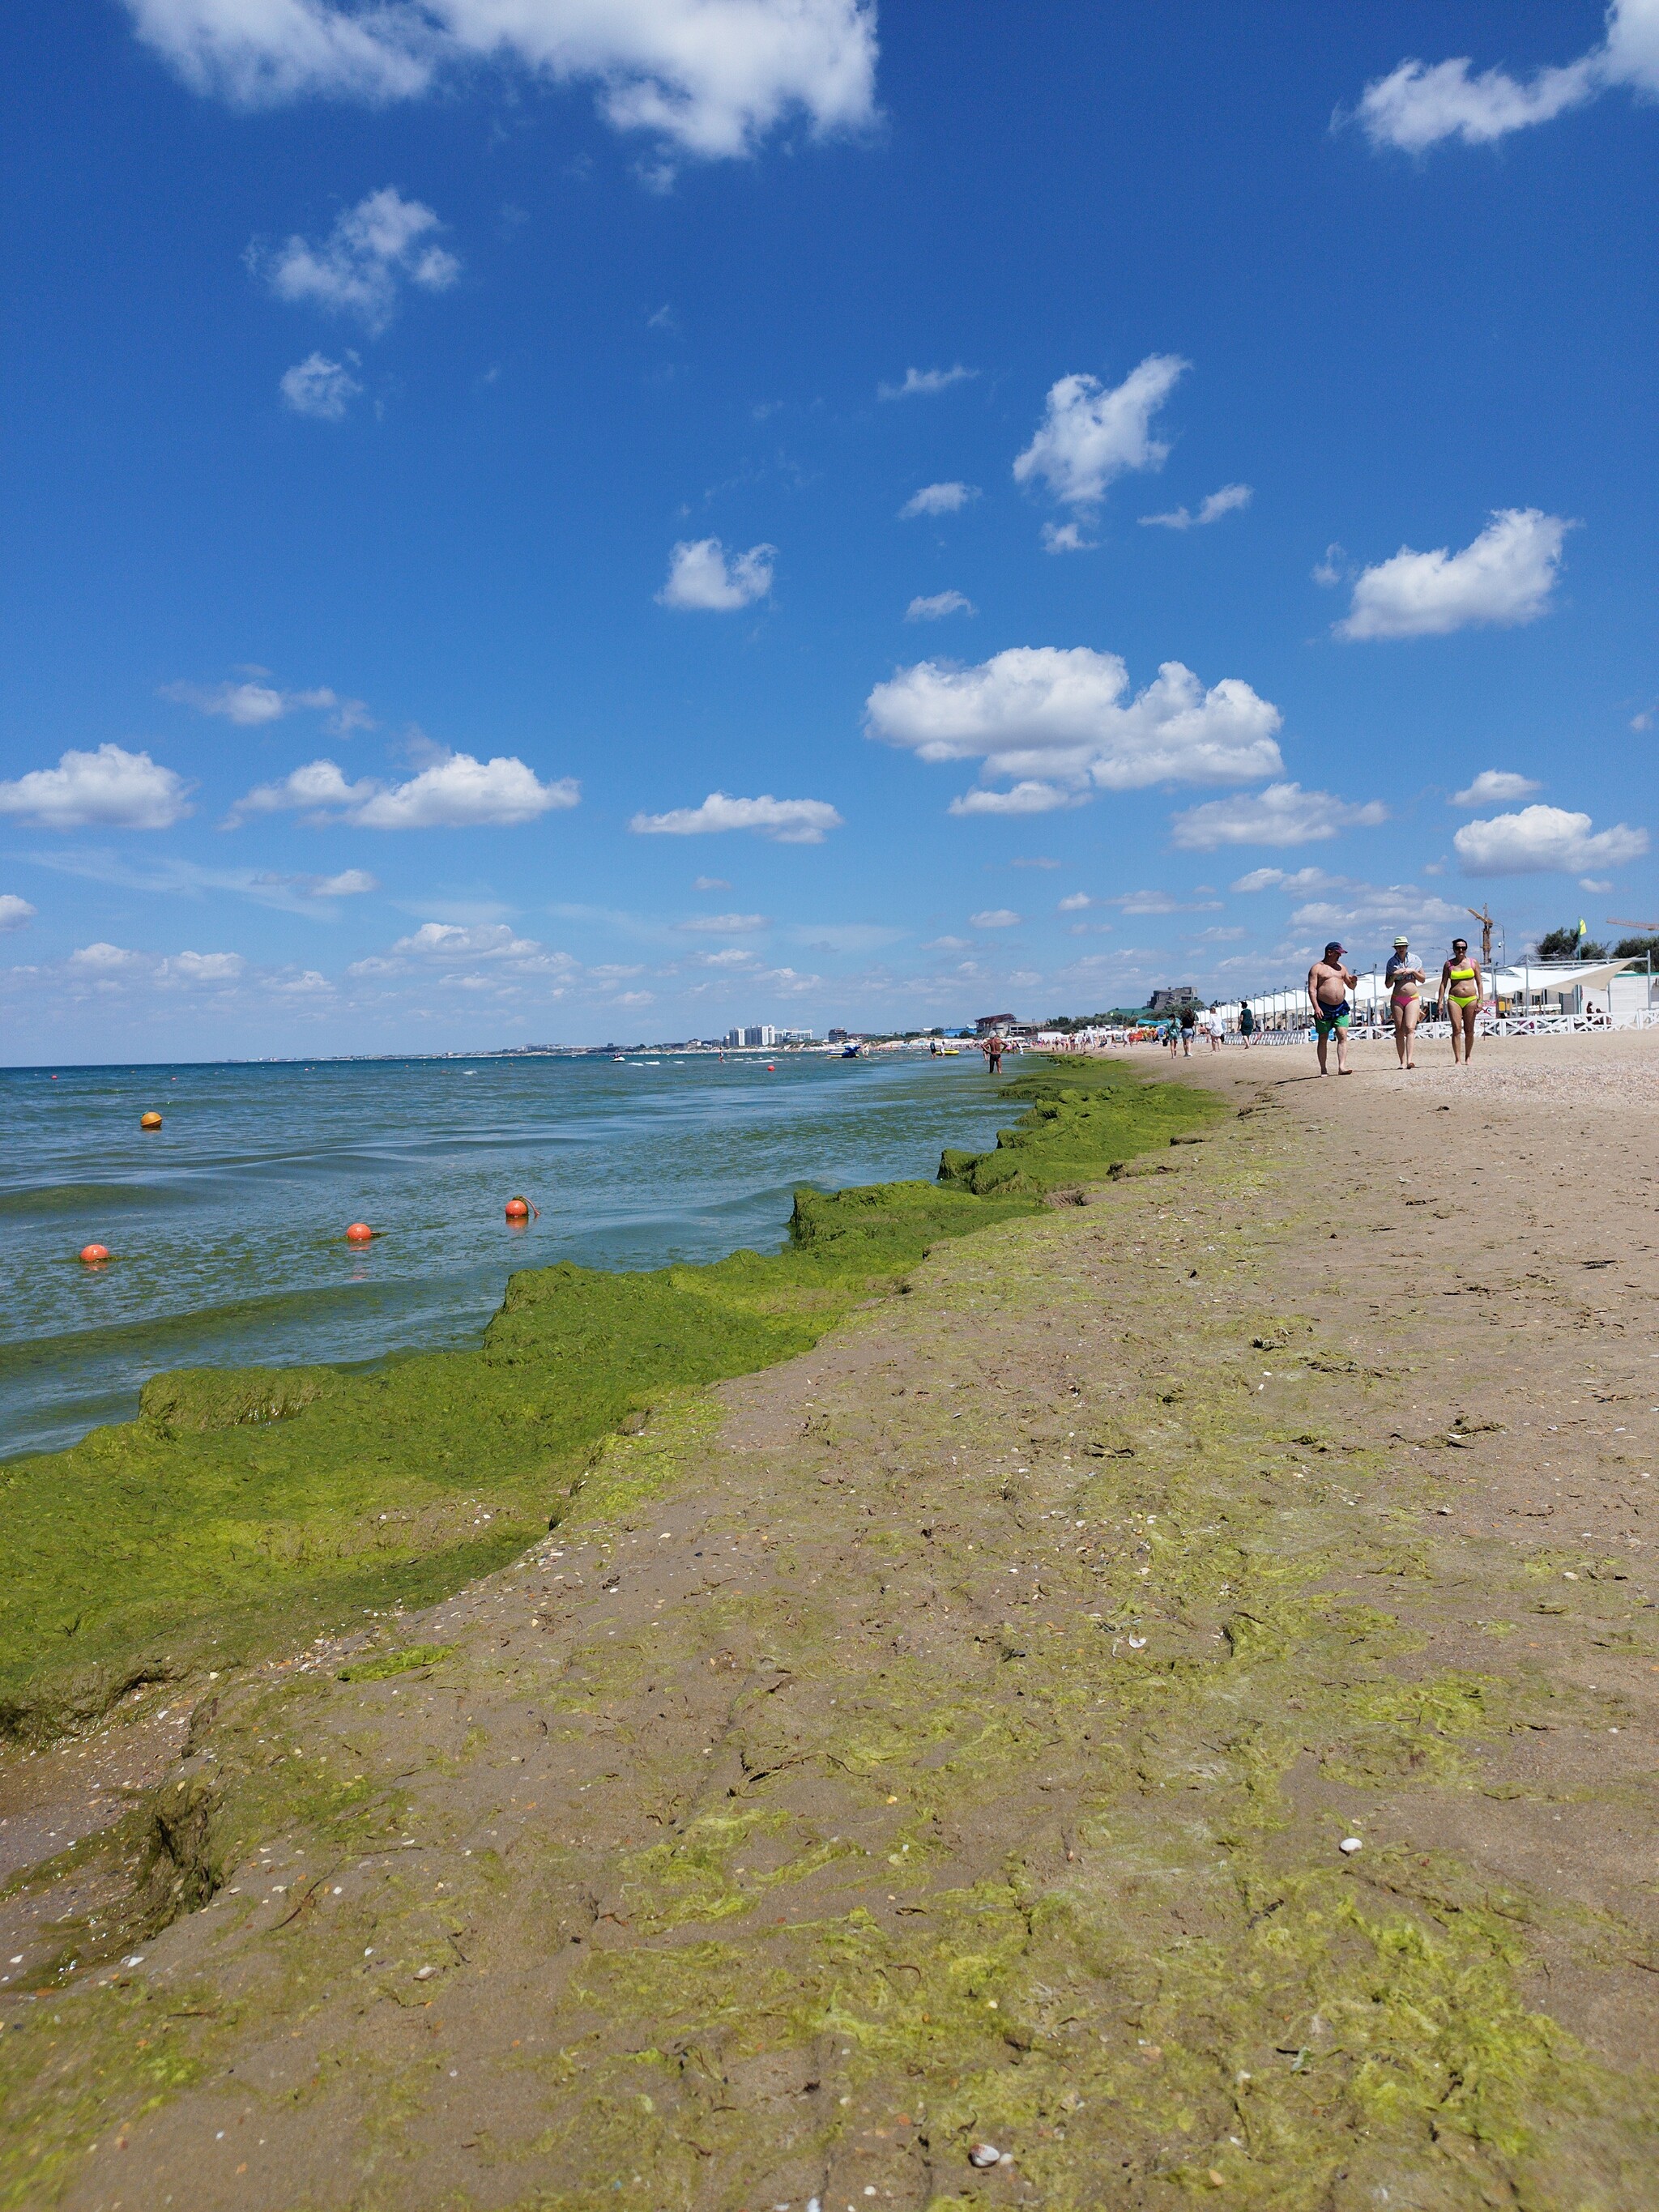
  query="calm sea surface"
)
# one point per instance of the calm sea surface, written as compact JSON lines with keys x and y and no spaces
{"x":227,"y":1226}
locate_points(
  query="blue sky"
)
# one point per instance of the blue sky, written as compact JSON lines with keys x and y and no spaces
{"x":718,"y":510}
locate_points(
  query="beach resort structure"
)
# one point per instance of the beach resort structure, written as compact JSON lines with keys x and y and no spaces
{"x":762,"y":1035}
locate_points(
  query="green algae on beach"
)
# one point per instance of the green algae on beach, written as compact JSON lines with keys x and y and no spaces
{"x":248,"y":1509}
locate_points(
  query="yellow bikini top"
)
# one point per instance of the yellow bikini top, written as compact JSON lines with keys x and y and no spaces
{"x":1460,"y":975}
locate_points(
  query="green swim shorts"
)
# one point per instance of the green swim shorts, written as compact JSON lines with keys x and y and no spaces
{"x":1324,"y":1024}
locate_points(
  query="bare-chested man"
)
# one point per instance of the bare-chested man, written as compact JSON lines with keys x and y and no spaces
{"x":1329,"y":982}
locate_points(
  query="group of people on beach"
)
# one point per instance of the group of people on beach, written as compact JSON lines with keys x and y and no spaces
{"x":1462,"y":992}
{"x":1178,"y":1034}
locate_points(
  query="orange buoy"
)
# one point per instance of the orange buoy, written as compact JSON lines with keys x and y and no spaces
{"x":149,"y":1120}
{"x":359,"y":1233}
{"x":519,"y":1209}
{"x":94,"y":1255}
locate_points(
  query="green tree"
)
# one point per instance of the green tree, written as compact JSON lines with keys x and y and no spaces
{"x":1637,"y":948}
{"x":1564,"y":944}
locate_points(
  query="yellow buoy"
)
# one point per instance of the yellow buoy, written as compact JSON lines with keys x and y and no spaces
{"x":149,"y":1120}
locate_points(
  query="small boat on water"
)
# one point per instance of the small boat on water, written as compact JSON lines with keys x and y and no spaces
{"x":852,"y":1052}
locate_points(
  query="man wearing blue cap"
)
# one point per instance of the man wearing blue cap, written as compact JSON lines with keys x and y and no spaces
{"x":1329,"y":982}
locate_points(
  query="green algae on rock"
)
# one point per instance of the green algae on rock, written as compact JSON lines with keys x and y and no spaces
{"x":248,"y":1509}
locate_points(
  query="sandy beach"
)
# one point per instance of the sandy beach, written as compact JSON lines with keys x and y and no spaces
{"x":1163,"y":1709}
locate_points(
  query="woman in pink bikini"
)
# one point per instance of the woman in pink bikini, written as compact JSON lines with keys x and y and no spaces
{"x":1406,"y":979}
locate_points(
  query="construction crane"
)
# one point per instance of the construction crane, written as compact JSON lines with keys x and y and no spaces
{"x":1483,"y":916}
{"x":1623,"y":921}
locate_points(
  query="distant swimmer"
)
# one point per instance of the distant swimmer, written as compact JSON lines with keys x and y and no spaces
{"x":1329,"y":982}
{"x":1405,"y":978}
{"x":991,"y":1047}
{"x":1462,"y":992}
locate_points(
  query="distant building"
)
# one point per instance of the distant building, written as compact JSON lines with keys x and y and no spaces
{"x":757,"y":1033}
{"x":798,"y":1036}
{"x":839,"y":1037}
{"x":1172,"y":1000}
{"x":994,"y":1024}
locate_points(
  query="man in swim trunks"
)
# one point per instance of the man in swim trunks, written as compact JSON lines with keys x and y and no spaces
{"x":1405,"y":979}
{"x":1329,"y":982}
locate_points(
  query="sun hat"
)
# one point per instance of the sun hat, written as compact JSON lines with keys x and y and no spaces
{"x":1402,"y":941}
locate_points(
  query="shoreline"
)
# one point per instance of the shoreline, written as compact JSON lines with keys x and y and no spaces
{"x":226,"y":1222}
{"x":239,"y":1497}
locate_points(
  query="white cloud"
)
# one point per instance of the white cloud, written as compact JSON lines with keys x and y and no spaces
{"x":788,"y":821}
{"x":940,"y":604}
{"x":1331,"y":568}
{"x":711,"y":80}
{"x":171,"y":876}
{"x":1506,"y":575}
{"x":250,"y":705}
{"x":925,"y":381}
{"x":320,"y":388}
{"x":701,"y":576}
{"x":845,"y":936}
{"x":1275,"y":879}
{"x":1494,"y":784}
{"x":203,"y":967}
{"x":1227,"y":501}
{"x":461,"y":791}
{"x":14,"y":912}
{"x":451,"y":940}
{"x":1283,"y":814}
{"x":105,"y":960}
{"x":112,"y":788}
{"x":1544,"y":838}
{"x":1029,"y":796}
{"x":996,"y":917}
{"x":1055,"y":719}
{"x":938,"y":499}
{"x":1090,"y":436}
{"x":1065,"y":537}
{"x":1420,"y":104}
{"x":374,"y":249}
{"x":1595,"y":883}
{"x":710,"y":884}
{"x":726,"y":925}
{"x":1143,"y":903}
{"x":1074,"y":902}
{"x":1381,"y":908}
{"x":456,"y":791}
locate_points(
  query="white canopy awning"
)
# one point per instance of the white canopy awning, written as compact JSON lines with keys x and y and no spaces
{"x":1533,"y":977}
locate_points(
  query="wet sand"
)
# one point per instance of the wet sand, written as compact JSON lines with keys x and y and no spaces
{"x":949,"y":1738}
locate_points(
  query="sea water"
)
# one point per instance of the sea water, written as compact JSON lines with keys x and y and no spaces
{"x":228,"y":1226}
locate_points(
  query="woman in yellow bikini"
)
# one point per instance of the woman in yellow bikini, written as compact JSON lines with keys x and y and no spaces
{"x":1406,"y":979}
{"x":1462,"y":993}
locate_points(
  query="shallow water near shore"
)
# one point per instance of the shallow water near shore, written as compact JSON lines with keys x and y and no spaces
{"x":228,"y":1225}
